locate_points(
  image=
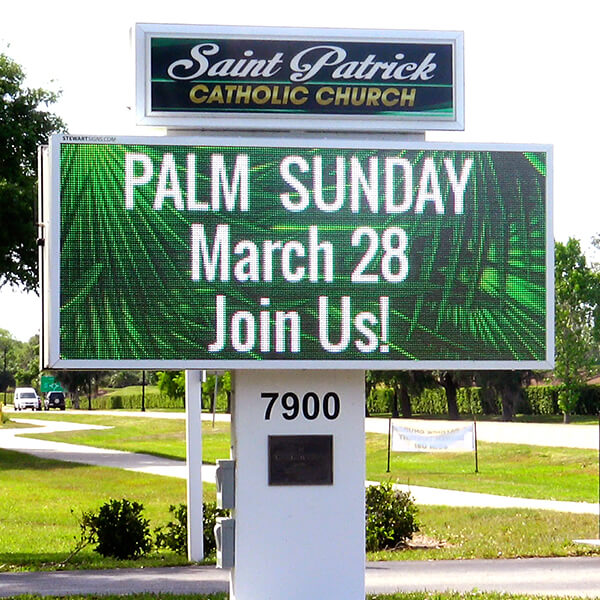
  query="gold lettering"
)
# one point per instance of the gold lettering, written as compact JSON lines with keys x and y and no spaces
{"x":358,"y":96}
{"x":373,"y":97}
{"x":216,"y":95}
{"x":385,"y":97}
{"x":261,"y":94}
{"x":194,"y":93}
{"x":296,"y":92}
{"x":342,"y":96}
{"x":321,"y":97}
{"x":243,"y":94}
{"x":275,"y":99}
{"x":408,"y":97}
{"x":230,"y":89}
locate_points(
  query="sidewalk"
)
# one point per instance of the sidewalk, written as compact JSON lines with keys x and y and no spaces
{"x":11,"y":439}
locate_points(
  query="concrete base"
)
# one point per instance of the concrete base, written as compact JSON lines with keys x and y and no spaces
{"x":298,"y":541}
{"x":588,"y":542}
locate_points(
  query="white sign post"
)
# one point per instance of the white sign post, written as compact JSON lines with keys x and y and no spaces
{"x":193,"y":409}
{"x":299,"y":528}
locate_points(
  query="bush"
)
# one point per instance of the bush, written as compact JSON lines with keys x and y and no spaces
{"x":390,"y":517}
{"x":210,"y":512}
{"x":589,"y":400}
{"x":542,"y":399}
{"x":174,"y":534}
{"x":380,"y":400}
{"x":118,"y":529}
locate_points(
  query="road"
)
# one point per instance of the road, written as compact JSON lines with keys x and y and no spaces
{"x":577,"y":577}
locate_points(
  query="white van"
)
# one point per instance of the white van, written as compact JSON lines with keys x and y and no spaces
{"x":26,"y":397}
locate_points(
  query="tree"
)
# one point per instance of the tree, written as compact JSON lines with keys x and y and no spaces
{"x":8,"y":346}
{"x":78,"y":383}
{"x":172,"y":384}
{"x":404,"y":385}
{"x":223,"y":384}
{"x":505,"y":385}
{"x":577,"y":323}
{"x":24,"y":125}
{"x":451,"y":381}
{"x":27,"y":362}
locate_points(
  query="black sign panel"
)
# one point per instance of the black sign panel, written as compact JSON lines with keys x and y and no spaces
{"x":300,"y":460}
{"x":318,"y":78}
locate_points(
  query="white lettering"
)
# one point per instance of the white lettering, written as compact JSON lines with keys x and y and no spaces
{"x":288,"y":202}
{"x":218,"y":256}
{"x":238,"y":186}
{"x":390,"y":205}
{"x":168,"y":174}
{"x":429,"y":189}
{"x":458,"y":184}
{"x":131,"y":180}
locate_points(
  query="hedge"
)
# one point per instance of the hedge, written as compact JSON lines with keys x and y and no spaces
{"x":536,"y":400}
{"x":131,"y":401}
{"x":152,"y":400}
{"x":431,"y":401}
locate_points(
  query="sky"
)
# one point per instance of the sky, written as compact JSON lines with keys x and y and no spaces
{"x":530,"y":77}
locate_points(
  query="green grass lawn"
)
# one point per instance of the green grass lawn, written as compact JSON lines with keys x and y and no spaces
{"x":463,"y":533}
{"x":505,"y":469}
{"x":41,"y":501}
{"x":160,"y":437}
{"x":465,"y":596}
{"x":131,"y":390}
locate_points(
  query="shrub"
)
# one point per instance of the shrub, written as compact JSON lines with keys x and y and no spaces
{"x":174,"y":534}
{"x":380,"y":400}
{"x":118,"y":529}
{"x":390,"y":517}
{"x":209,"y":518}
{"x":589,"y":400}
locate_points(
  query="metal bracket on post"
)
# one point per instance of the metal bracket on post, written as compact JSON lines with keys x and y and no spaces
{"x":225,"y":480}
{"x":193,"y":407}
{"x":225,"y":542}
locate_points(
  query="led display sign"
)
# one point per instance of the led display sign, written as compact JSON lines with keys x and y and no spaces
{"x":251,"y":253}
{"x":283,"y":78}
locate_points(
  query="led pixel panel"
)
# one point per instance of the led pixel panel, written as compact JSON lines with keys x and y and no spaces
{"x":200,"y":252}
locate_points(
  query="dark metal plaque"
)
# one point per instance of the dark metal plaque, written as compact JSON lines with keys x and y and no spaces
{"x":300,"y":460}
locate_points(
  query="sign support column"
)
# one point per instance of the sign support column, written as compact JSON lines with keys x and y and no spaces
{"x":193,"y":410}
{"x":298,"y":445}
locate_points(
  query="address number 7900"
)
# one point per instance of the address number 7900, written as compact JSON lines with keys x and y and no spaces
{"x":310,"y":406}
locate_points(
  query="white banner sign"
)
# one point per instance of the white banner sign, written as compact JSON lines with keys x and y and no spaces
{"x":405,"y":439}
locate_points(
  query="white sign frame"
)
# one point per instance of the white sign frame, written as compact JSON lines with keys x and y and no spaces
{"x":143,"y":33}
{"x":51,"y":263}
